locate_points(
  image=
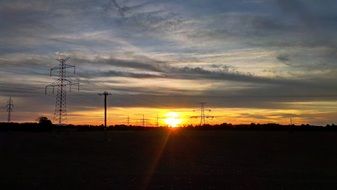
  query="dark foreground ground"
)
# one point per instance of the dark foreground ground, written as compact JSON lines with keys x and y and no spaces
{"x":168,"y":160}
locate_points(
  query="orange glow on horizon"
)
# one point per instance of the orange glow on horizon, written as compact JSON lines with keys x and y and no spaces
{"x":172,"y":117}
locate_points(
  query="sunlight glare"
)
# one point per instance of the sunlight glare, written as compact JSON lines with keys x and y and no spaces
{"x":172,"y":119}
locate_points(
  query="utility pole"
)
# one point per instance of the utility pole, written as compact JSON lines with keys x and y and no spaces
{"x":9,"y":108}
{"x":105,"y":94}
{"x":202,"y":115}
{"x":63,"y":80}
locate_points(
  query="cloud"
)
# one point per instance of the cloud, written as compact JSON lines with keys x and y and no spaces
{"x":283,"y":58}
{"x":149,"y":68}
{"x":146,"y":16}
{"x":238,"y":54}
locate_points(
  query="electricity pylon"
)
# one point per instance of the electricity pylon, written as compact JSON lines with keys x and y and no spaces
{"x":105,"y":94}
{"x":202,"y":115}
{"x":158,"y":119}
{"x":64,"y":80}
{"x":128,"y":120}
{"x":9,"y":108}
{"x":143,"y":120}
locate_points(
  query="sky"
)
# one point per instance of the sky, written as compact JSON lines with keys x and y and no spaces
{"x":259,"y":61}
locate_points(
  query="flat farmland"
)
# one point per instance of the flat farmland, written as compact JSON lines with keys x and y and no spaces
{"x":168,"y":159}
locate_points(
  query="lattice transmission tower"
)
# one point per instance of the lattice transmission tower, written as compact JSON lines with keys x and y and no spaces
{"x":64,"y":80}
{"x":202,"y":115}
{"x":142,"y":119}
{"x":9,"y":108}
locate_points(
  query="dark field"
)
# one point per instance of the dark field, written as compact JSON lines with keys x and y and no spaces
{"x":180,"y":159}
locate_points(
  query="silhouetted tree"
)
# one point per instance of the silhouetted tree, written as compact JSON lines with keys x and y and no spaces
{"x":44,"y":122}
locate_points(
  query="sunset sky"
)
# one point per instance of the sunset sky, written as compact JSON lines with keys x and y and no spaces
{"x":251,"y":60}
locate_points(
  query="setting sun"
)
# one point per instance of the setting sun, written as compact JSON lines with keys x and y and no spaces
{"x":172,"y":119}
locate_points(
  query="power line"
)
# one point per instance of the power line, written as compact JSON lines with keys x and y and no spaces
{"x":9,"y":108}
{"x":105,"y":94}
{"x":63,"y":80}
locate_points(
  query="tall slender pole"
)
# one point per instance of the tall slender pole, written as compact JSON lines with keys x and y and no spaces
{"x":105,"y":94}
